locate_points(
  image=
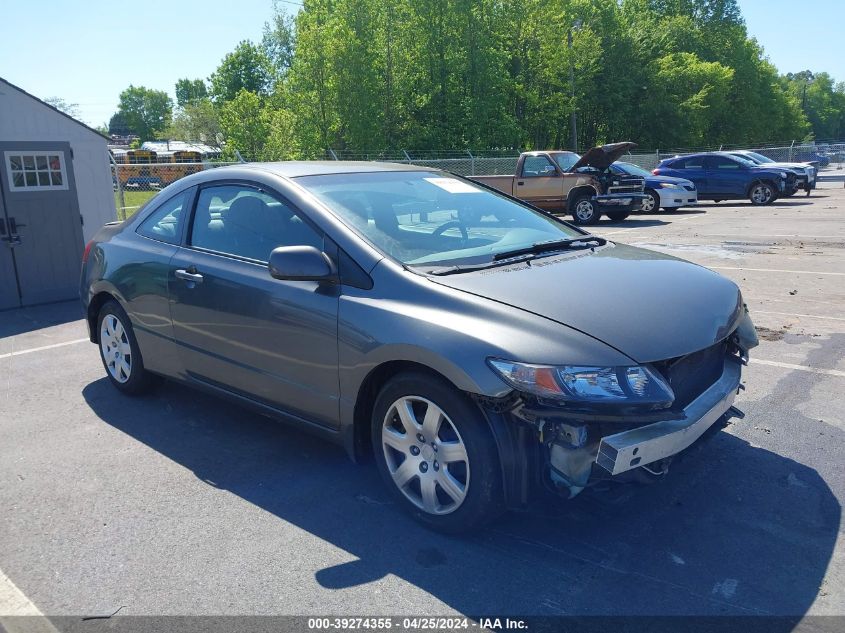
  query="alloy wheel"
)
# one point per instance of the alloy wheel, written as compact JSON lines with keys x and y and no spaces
{"x":761,"y":194}
{"x":650,"y":203}
{"x":425,"y":455}
{"x":115,"y":347}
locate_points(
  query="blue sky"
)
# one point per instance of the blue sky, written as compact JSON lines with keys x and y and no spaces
{"x":88,"y":52}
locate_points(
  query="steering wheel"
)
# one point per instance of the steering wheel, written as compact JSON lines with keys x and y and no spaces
{"x":450,"y":225}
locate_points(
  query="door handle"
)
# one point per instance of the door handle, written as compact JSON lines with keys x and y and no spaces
{"x":185,"y":275}
{"x":520,"y":182}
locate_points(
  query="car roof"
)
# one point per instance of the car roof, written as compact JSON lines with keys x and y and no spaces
{"x":296,"y":168}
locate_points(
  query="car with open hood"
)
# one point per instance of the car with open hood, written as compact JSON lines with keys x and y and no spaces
{"x":478,"y":348}
{"x":565,"y":183}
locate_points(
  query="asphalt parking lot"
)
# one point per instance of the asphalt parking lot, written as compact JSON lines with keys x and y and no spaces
{"x":178,"y":503}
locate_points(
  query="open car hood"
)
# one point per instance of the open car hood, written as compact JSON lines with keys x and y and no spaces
{"x":602,"y":157}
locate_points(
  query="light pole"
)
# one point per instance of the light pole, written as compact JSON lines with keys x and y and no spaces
{"x":576,"y":25}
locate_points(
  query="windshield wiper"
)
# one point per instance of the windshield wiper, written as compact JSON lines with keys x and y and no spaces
{"x":585,"y":241}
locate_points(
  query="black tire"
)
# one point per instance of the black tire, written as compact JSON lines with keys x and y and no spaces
{"x":585,"y":211}
{"x":479,"y":475}
{"x":652,"y":202}
{"x":139,"y":380}
{"x":762,"y":193}
{"x":717,"y":200}
{"x":617,"y":216}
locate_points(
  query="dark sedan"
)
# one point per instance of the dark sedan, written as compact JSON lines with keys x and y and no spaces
{"x":474,"y":345}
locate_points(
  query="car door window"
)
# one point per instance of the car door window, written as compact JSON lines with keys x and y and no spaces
{"x":537,"y":166}
{"x":164,"y":224}
{"x":696,"y":162}
{"x":244,"y":221}
{"x":724,"y":163}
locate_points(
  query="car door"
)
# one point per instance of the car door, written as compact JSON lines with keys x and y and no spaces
{"x":540,"y":183}
{"x":726,"y":176}
{"x":693,"y":169}
{"x":239,"y":329}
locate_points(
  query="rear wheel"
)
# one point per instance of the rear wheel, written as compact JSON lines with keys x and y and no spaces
{"x":617,"y":216}
{"x":120,"y":353}
{"x":436,"y":453}
{"x":651,"y":204}
{"x":585,"y":211}
{"x":762,"y":193}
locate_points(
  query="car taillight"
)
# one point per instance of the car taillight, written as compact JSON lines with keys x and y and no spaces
{"x":655,"y":172}
{"x":87,"y":251}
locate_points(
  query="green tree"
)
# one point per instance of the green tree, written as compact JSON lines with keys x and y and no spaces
{"x":190,"y":91}
{"x":146,"y":112}
{"x":245,"y":68}
{"x":278,"y":40}
{"x":118,"y":125}
{"x":244,"y":126}
{"x":196,"y":121}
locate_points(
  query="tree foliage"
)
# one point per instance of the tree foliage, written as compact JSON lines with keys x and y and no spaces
{"x":189,"y":91}
{"x":380,"y":75}
{"x":144,"y":111}
{"x":245,"y":68}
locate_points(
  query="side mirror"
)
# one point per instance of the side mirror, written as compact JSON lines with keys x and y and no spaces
{"x":301,"y":263}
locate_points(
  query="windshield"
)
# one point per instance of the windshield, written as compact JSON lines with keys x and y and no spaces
{"x":565,"y":160}
{"x":632,"y":170}
{"x":745,"y":161}
{"x":758,"y":158}
{"x":432,"y":219}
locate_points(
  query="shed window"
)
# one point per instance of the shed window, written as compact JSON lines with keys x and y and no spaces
{"x":36,"y":171}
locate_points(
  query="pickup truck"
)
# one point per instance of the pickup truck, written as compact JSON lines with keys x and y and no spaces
{"x":565,"y":183}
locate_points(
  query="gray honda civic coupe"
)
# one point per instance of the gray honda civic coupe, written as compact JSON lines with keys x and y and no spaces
{"x":481,"y":350}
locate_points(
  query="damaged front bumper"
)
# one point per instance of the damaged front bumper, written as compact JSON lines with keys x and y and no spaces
{"x":647,"y":444}
{"x":579,"y":450}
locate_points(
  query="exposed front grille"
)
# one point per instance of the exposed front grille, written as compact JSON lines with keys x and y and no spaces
{"x":691,"y":375}
{"x":626,"y":184}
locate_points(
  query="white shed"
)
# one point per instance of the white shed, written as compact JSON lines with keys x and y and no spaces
{"x":55,"y":193}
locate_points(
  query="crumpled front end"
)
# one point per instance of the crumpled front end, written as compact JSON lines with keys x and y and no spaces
{"x":582,"y":447}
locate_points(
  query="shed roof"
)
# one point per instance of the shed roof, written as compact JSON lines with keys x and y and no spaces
{"x":55,"y":109}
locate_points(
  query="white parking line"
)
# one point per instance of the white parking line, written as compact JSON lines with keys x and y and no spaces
{"x":778,"y":270}
{"x":13,"y":601}
{"x":43,"y":348}
{"x":808,"y":316}
{"x":814,"y":370}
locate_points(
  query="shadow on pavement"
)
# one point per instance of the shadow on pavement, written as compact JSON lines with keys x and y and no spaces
{"x":734,"y":530}
{"x":21,"y":320}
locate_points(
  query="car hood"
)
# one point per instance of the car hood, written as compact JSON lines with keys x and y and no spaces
{"x":645,"y":304}
{"x":788,"y":165}
{"x":603,"y":157}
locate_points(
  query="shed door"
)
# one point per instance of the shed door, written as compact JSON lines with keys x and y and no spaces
{"x":41,"y":228}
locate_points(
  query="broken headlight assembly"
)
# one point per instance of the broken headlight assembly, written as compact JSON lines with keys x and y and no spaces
{"x":578,"y":384}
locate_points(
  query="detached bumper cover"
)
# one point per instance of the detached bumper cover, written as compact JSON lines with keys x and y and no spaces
{"x":627,"y":450}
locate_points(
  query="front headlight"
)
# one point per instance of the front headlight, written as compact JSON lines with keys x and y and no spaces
{"x":670,"y":185}
{"x":783,"y":174}
{"x":579,"y":384}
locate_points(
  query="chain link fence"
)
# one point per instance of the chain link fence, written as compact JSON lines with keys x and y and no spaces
{"x":137,"y":175}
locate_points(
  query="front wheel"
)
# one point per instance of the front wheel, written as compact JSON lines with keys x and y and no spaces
{"x":120,"y":353}
{"x":585,"y":211}
{"x":436,"y":453}
{"x":762,"y":193}
{"x":651,"y":204}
